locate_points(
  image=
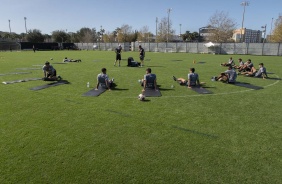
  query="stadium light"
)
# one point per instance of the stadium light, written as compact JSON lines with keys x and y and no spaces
{"x":244,"y":3}
{"x":168,"y":13}
{"x":10,"y":25}
{"x":25,"y":25}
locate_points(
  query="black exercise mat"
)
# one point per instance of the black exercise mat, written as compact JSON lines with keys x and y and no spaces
{"x":152,"y":93}
{"x":247,"y":85}
{"x":14,"y":73}
{"x":201,"y":90}
{"x":50,"y":85}
{"x":94,"y":92}
{"x":21,"y":80}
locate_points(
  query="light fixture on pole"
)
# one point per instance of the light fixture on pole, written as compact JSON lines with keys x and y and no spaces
{"x":168,"y":13}
{"x":244,"y":3}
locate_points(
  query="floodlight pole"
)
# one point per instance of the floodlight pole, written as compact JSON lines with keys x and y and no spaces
{"x":168,"y":12}
{"x":25,"y":25}
{"x":156,"y":28}
{"x":244,"y":3}
{"x":264,"y":31}
{"x":10,"y":25}
{"x":271,"y":30}
{"x":180,"y":30}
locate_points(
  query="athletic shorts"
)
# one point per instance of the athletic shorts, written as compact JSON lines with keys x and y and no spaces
{"x":141,"y":58}
{"x":118,"y":57}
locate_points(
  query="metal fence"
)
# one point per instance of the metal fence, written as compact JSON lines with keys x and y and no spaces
{"x":271,"y":49}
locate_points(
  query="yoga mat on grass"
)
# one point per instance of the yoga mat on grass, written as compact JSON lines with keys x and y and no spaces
{"x":61,"y":82}
{"x":94,"y":92}
{"x":152,"y":93}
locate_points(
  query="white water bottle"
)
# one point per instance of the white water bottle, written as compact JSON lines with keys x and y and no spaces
{"x":87,"y":84}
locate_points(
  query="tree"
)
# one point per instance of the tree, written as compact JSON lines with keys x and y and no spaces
{"x":86,"y":35}
{"x":144,"y":35}
{"x":124,"y":33}
{"x":163,"y":33}
{"x":60,"y":36}
{"x":190,"y":37}
{"x":223,"y":27}
{"x":276,"y":35}
{"x":35,"y":36}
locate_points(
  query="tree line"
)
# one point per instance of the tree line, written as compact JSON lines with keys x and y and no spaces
{"x":223,"y":27}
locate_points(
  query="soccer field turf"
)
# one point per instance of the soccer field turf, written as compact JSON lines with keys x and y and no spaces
{"x":56,"y":135}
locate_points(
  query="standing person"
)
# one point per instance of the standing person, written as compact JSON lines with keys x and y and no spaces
{"x":141,"y":55}
{"x":193,"y":79}
{"x":149,"y":80}
{"x":118,"y":54}
{"x":49,"y":72}
{"x":103,"y":80}
{"x":33,"y":48}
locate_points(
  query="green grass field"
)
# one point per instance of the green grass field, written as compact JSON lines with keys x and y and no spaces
{"x":57,"y":136}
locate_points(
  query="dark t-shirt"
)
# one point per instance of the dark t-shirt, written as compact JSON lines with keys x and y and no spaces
{"x":118,"y":50}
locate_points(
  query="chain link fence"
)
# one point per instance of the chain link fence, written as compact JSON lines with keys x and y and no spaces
{"x":270,"y":49}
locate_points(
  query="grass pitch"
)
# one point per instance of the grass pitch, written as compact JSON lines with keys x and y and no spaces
{"x":57,"y":136}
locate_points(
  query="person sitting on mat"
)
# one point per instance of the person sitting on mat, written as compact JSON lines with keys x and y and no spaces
{"x":241,"y":64}
{"x":229,"y":63}
{"x":249,"y":73}
{"x":261,"y":72}
{"x":228,"y":76}
{"x":103,"y":80}
{"x":149,"y":81}
{"x":247,"y":66}
{"x":193,"y":79}
{"x":50,"y":73}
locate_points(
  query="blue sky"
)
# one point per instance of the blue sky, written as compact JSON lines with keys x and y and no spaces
{"x":71,"y":15}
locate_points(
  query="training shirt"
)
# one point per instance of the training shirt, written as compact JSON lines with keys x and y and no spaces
{"x":118,"y":50}
{"x":262,"y":70}
{"x":102,"y":78}
{"x":193,"y":77}
{"x":230,"y":61}
{"x":49,"y":69}
{"x":150,"y":80}
{"x":142,"y":52}
{"x":232,"y":75}
{"x":241,"y":63}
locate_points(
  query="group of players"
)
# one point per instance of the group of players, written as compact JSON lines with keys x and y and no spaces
{"x":246,"y":68}
{"x":150,"y":80}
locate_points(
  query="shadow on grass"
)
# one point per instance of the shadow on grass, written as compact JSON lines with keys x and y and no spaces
{"x":176,"y":60}
{"x":117,"y":112}
{"x":195,"y":132}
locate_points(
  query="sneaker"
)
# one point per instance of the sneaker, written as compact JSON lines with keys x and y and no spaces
{"x":174,"y":78}
{"x":113,"y":79}
{"x":59,"y":77}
